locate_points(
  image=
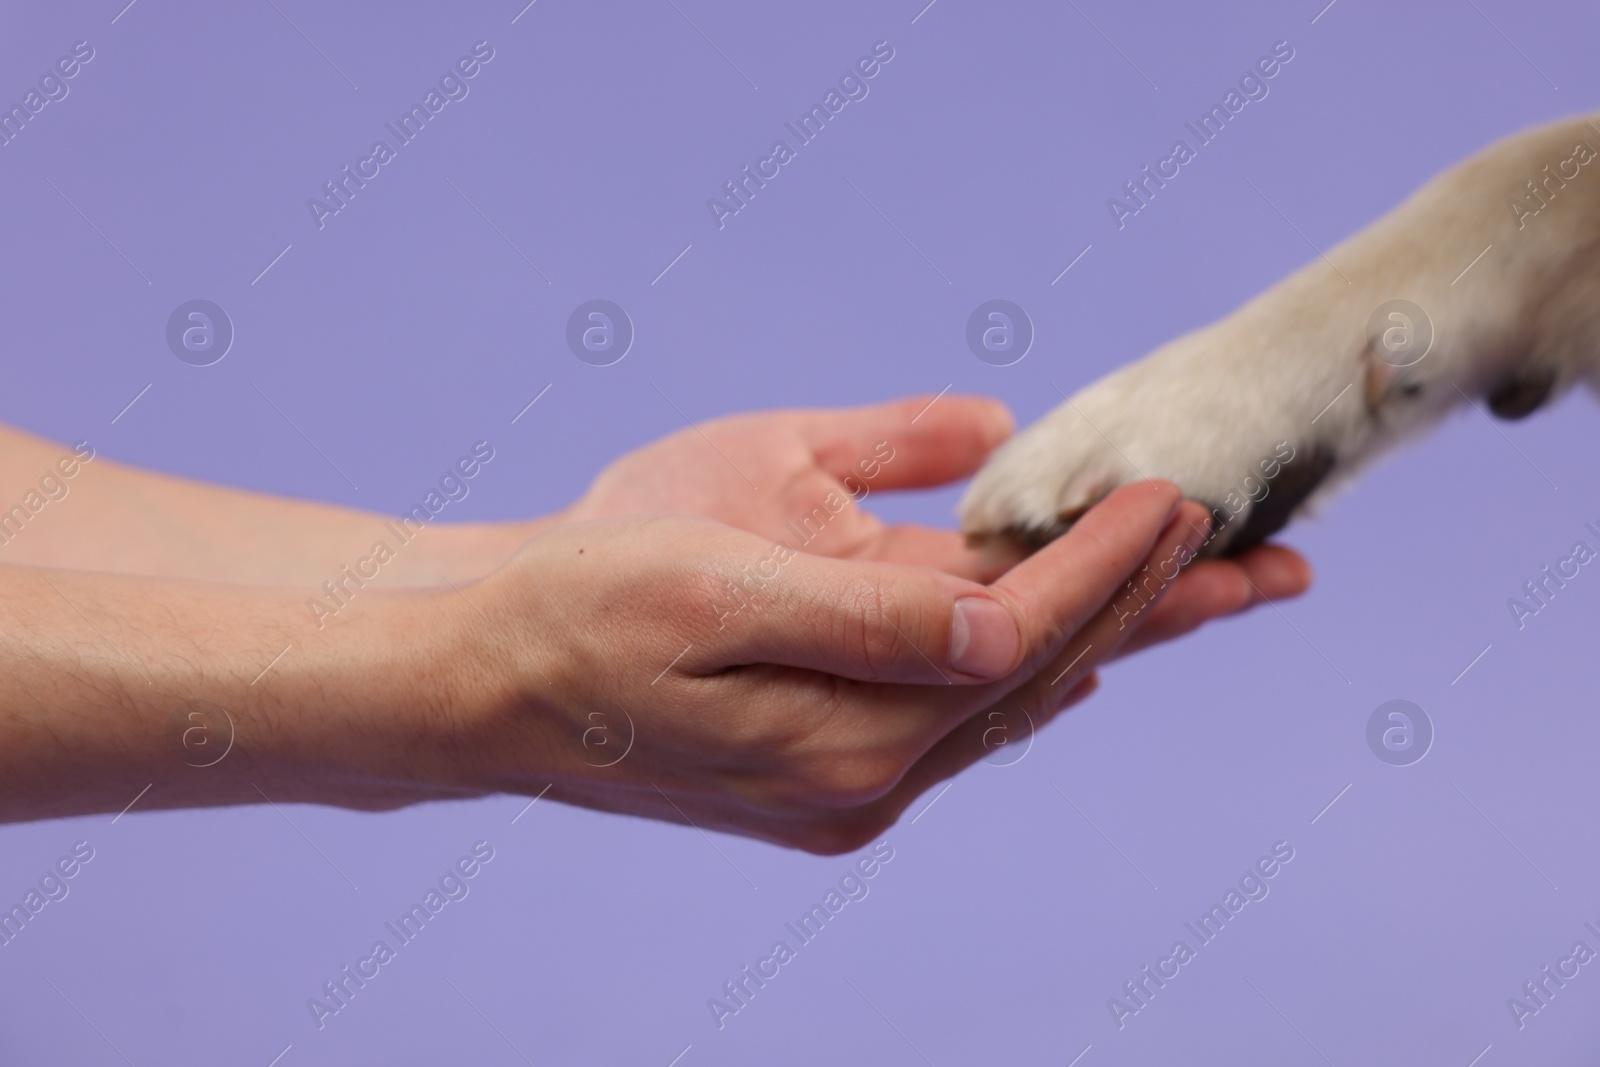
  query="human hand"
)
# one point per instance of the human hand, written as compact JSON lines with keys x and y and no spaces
{"x":808,"y":710}
{"x":809,"y":715}
{"x":176,"y":528}
{"x":797,"y":476}
{"x":774,"y":474}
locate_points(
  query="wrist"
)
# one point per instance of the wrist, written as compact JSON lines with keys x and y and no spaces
{"x":176,"y":694}
{"x":364,"y":713}
{"x":408,"y":694}
{"x":356,"y":713}
{"x":464,"y":552}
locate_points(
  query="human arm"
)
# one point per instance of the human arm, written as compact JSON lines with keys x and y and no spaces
{"x":115,"y":518}
{"x":801,"y":476}
{"x":786,"y":720}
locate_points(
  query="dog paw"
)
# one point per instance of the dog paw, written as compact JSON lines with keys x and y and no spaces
{"x":1259,"y":415}
{"x":1238,"y":440}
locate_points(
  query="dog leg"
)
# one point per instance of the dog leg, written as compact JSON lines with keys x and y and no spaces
{"x":1267,"y":411}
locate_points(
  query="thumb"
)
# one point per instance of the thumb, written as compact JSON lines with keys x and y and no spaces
{"x":872,"y":622}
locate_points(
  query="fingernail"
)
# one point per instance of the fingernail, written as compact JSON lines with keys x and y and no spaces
{"x":1198,"y":535}
{"x":983,"y":637}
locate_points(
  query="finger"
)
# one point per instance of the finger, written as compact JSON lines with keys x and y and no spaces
{"x":837,"y":832}
{"x":1059,"y":588}
{"x":1215,"y":588}
{"x":1063,"y":682}
{"x":887,"y":623}
{"x":1276,"y":572}
{"x":944,"y":750}
{"x":966,"y":745}
{"x":1211,"y":590}
{"x":1001,"y":736}
{"x":1118,"y":620}
{"x":1021,"y":713}
{"x":867,"y":621}
{"x":944,"y":550}
{"x":912,"y":443}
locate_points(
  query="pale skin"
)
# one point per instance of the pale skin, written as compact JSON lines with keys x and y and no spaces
{"x":486,"y":655}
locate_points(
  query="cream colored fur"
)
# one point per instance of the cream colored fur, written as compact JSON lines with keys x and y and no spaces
{"x":1207,"y":409}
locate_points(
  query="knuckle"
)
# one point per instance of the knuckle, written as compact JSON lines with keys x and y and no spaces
{"x":875,"y":625}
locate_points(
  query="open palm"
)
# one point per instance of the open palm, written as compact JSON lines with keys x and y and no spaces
{"x":799,"y":476}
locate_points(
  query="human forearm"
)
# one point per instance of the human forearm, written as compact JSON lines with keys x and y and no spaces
{"x":110,"y":517}
{"x":103,"y":671}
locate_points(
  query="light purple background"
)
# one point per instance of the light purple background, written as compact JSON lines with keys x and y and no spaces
{"x":408,"y":328}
